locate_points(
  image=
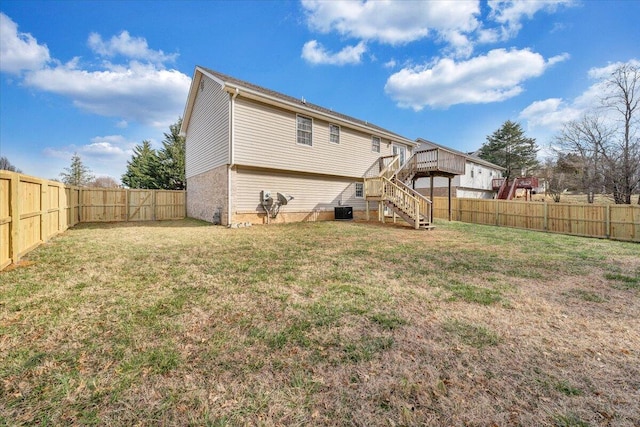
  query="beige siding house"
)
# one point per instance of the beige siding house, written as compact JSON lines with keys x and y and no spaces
{"x":242,"y":139}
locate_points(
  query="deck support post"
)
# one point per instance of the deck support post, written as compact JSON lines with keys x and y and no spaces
{"x":366,"y":207}
{"x":431,"y":196}
{"x":449,"y":199}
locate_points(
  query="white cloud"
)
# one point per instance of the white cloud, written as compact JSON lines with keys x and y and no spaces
{"x":110,"y":146}
{"x":19,"y":51}
{"x":314,"y":53}
{"x":510,"y":13}
{"x":493,"y":77}
{"x":139,"y":92}
{"x":390,"y":64}
{"x":459,"y":25}
{"x":550,"y":114}
{"x":392,"y":22}
{"x":59,"y":153}
{"x":103,"y":155}
{"x":129,"y":47}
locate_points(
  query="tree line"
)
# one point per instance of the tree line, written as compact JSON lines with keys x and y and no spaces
{"x":600,"y":152}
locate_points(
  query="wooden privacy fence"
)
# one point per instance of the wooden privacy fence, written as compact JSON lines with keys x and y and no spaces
{"x":619,"y":222}
{"x":118,"y":204}
{"x":32,"y":210}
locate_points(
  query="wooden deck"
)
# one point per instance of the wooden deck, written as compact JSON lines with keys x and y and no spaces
{"x":432,"y":162}
{"x":387,"y":182}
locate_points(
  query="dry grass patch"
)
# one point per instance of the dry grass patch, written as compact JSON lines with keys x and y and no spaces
{"x":183,"y":323}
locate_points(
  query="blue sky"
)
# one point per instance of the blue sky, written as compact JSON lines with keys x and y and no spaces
{"x":99,"y":77}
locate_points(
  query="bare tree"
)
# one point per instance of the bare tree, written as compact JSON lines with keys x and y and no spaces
{"x":556,"y":184}
{"x":606,"y":140}
{"x":623,"y":154}
{"x":104,"y":182}
{"x":5,"y":164}
{"x":581,"y":142}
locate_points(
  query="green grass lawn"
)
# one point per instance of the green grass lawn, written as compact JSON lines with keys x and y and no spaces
{"x":333,"y":323}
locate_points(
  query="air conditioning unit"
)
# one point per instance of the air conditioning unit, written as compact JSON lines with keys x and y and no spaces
{"x":343,"y":212}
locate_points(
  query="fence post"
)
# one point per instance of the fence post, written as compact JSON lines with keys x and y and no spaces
{"x":14,"y":197}
{"x":545,"y":221}
{"x":153,"y":204}
{"x":43,"y":210}
{"x":497,"y":210}
{"x":80,"y":207}
{"x":127,"y":201}
{"x":607,"y":218}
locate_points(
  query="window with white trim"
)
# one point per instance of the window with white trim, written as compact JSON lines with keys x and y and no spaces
{"x":334,"y":134}
{"x":304,"y":126}
{"x":375,"y":144}
{"x":359,"y":190}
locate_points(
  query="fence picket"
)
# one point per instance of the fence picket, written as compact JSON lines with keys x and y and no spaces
{"x":33,"y":210}
{"x":619,"y":222}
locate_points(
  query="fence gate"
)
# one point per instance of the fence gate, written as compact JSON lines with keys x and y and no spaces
{"x":141,"y":205}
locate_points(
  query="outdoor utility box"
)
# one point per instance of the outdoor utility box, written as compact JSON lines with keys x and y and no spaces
{"x":343,"y":212}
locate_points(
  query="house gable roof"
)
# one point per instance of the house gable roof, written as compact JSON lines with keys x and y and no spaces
{"x":250,"y":90}
{"x":469,"y":157}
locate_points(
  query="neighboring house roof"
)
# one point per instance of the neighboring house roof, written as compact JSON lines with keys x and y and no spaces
{"x":250,"y":90}
{"x":472,"y":157}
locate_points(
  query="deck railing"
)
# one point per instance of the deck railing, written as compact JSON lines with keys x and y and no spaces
{"x":373,"y":187}
{"x":440,"y":160}
{"x":432,"y":160}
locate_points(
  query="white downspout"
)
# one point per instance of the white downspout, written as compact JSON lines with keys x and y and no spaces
{"x":232,"y":134}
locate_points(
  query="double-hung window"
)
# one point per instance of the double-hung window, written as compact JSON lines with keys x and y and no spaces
{"x":359,"y":190}
{"x":334,"y":134}
{"x":375,"y":144}
{"x":304,"y":126}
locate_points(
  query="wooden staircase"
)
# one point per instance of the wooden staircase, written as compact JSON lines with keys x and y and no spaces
{"x":391,"y":192}
{"x":507,"y":188}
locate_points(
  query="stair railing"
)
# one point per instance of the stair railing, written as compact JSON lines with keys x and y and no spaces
{"x":425,"y":204}
{"x":391,"y":168}
{"x":389,"y":165}
{"x":408,"y":170}
{"x":512,"y":190}
{"x":503,"y":187}
{"x":403,"y":200}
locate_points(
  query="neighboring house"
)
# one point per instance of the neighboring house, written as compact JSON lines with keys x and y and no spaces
{"x":243,"y":139}
{"x":475,"y":183}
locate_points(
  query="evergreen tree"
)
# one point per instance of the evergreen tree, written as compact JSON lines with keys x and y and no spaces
{"x":143,"y":170}
{"x":172,"y":159}
{"x":77,"y":174}
{"x":508,"y":147}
